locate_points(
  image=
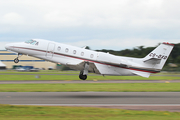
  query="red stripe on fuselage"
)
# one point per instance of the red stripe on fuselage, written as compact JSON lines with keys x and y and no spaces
{"x":104,"y":63}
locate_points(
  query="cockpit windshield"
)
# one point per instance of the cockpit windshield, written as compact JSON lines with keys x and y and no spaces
{"x":32,"y":42}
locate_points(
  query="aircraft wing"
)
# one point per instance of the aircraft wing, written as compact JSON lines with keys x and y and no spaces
{"x":75,"y":64}
{"x":103,"y":68}
{"x":95,"y":67}
{"x":81,"y":64}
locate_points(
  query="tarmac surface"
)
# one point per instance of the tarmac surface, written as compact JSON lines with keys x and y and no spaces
{"x":166,"y":101}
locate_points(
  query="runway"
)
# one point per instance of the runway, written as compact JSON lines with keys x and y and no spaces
{"x":126,"y":100}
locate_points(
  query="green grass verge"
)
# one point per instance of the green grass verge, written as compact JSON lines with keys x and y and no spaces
{"x":69,"y":72}
{"x":45,"y":75}
{"x":76,"y":77}
{"x":81,"y":87}
{"x":10,"y":112}
{"x":41,"y":72}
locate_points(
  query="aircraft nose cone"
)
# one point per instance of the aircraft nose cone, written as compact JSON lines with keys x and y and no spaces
{"x":7,"y":46}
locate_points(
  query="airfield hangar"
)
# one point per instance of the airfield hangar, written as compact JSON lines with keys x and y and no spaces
{"x":7,"y":58}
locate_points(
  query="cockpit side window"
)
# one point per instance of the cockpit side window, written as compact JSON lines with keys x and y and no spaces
{"x":28,"y":41}
{"x":32,"y":42}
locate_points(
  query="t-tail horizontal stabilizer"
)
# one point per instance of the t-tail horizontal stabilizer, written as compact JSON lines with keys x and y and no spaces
{"x":153,"y":61}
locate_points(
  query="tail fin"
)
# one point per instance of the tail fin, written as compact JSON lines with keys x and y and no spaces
{"x":157,"y":58}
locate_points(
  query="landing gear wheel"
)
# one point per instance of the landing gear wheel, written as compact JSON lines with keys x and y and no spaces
{"x":83,"y":77}
{"x":16,"y":60}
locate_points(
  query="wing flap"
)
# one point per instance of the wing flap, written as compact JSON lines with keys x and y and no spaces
{"x":80,"y":66}
{"x":140,"y":73}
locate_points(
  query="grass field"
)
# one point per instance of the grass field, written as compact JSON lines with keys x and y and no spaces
{"x":111,"y":87}
{"x":10,"y":112}
{"x":73,"y":75}
{"x":96,"y":87}
{"x":40,"y":72}
{"x":76,"y":77}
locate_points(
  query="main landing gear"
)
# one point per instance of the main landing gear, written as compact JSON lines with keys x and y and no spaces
{"x":83,"y":73}
{"x":16,"y":60}
{"x":82,"y":76}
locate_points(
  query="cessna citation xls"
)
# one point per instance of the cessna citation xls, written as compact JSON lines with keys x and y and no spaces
{"x":92,"y":61}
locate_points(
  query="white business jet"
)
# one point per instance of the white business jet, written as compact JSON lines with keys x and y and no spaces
{"x":91,"y":61}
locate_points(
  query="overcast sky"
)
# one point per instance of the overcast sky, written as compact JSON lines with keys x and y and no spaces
{"x":100,"y":24}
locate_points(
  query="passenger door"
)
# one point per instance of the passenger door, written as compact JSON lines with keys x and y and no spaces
{"x":50,"y":50}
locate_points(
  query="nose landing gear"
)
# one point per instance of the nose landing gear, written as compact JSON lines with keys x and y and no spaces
{"x":16,"y":60}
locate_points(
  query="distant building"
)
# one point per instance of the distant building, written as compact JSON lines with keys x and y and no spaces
{"x":8,"y":59}
{"x":2,"y":66}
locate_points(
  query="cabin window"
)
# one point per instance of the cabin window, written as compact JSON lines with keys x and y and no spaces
{"x":91,"y":55}
{"x":82,"y":53}
{"x":74,"y":52}
{"x":66,"y":50}
{"x":59,"y":48}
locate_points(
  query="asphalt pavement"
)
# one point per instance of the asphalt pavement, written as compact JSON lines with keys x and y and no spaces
{"x":125,"y":100}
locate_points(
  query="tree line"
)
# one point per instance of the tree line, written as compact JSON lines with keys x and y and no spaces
{"x":141,"y":51}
